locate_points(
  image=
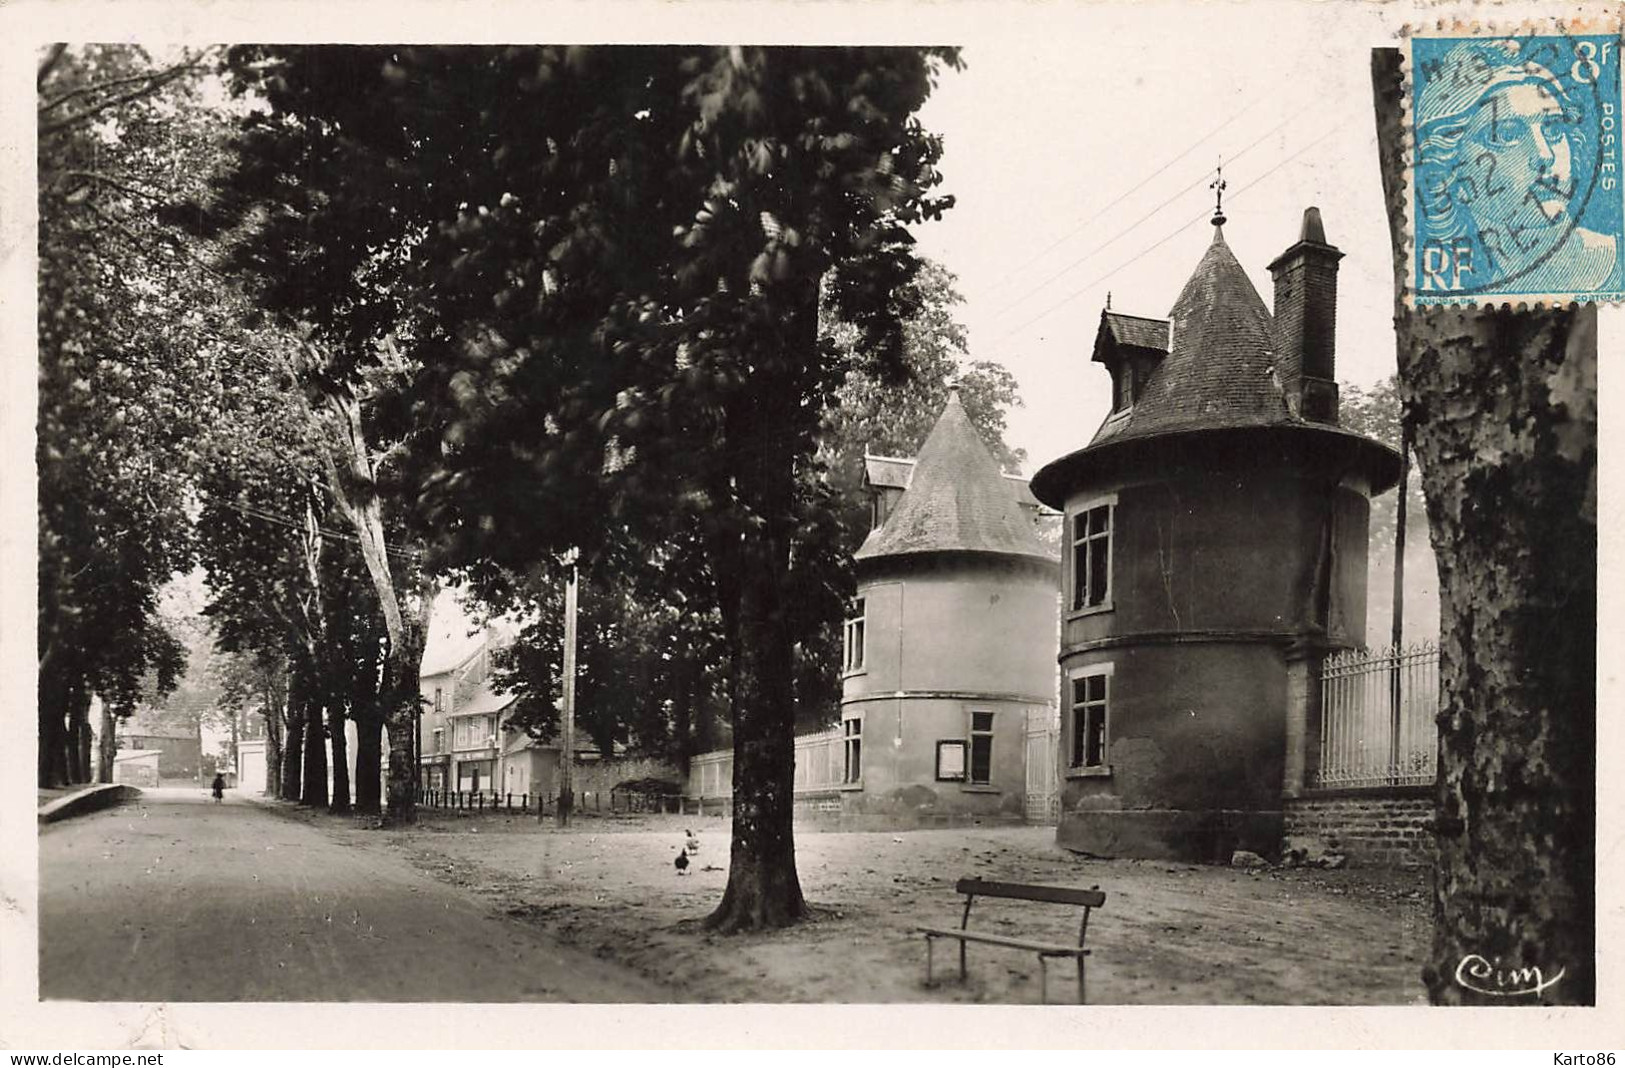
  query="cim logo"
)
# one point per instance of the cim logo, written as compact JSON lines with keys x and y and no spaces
{"x":1480,"y":976}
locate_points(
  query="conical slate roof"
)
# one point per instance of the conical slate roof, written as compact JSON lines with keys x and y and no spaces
{"x":1220,"y":368}
{"x":1219,"y":377}
{"x":957,"y":500}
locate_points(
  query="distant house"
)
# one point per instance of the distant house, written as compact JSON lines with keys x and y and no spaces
{"x":465,"y":744}
{"x":251,"y":771}
{"x":179,"y":748}
{"x":137,"y":767}
{"x":1214,"y":556}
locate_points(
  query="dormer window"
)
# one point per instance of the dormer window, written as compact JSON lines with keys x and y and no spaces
{"x":1130,"y":347}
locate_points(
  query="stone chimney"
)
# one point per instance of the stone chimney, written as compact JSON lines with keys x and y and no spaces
{"x":1306,"y":321}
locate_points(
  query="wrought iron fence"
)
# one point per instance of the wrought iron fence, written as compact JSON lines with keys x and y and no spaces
{"x":1377,"y":717}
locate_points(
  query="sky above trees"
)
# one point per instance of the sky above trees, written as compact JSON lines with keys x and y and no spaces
{"x":1056,"y":144}
{"x":1080,"y":171}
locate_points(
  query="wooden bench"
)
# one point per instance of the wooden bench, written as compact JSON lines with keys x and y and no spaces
{"x":1059,"y":895}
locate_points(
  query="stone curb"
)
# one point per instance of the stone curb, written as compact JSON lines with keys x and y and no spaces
{"x":100,"y":796}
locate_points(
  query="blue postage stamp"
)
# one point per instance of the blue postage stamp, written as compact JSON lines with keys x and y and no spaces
{"x":1514,"y":191}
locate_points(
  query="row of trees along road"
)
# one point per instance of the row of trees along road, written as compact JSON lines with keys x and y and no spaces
{"x":130,"y":368}
{"x":602,"y":270}
{"x":420,"y":312}
{"x":167,"y":430}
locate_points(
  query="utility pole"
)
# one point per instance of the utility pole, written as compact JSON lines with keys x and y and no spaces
{"x":568,"y":755}
{"x":1395,"y":696}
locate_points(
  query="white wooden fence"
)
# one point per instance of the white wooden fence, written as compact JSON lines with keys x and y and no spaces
{"x":819,"y":762}
{"x":1043,"y":800}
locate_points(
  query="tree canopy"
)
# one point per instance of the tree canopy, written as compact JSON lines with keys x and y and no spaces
{"x":131,"y":365}
{"x":614,"y":260}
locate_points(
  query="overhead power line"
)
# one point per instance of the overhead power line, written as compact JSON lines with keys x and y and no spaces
{"x":400,"y":551}
{"x":1137,"y":223}
{"x":1009,"y":278}
{"x":1162,"y":241}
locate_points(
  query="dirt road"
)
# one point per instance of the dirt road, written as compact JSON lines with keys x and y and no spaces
{"x":175,"y":898}
{"x":1169,"y":933}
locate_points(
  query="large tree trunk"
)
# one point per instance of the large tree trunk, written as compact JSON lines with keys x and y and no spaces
{"x":273,"y":752}
{"x":58,"y":689}
{"x":275,"y":714}
{"x":753,"y":574}
{"x":763,"y":889}
{"x":79,"y":736}
{"x":315,"y":791}
{"x":53,"y":737}
{"x":51,"y":683}
{"x":369,"y":716}
{"x":369,"y":751}
{"x":1501,"y":406}
{"x":293,"y":751}
{"x":108,"y":749}
{"x":339,"y":804}
{"x":353,"y":478}
{"x":402,"y":694}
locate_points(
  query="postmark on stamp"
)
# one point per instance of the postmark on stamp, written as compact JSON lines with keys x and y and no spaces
{"x":1514,"y":191}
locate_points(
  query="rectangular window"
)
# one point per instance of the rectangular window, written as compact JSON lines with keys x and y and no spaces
{"x":981,"y":748}
{"x":472,"y":732}
{"x":852,"y":730}
{"x":1124,"y":383}
{"x":1090,"y":704}
{"x":439,"y":740}
{"x":438,"y":704}
{"x":1092,"y":557}
{"x":853,"y":659}
{"x":951,"y":760}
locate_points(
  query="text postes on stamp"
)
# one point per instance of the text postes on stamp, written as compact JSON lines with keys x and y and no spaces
{"x":1514,"y":187}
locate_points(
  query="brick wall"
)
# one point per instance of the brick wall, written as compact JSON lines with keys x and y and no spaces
{"x":1371,"y":829}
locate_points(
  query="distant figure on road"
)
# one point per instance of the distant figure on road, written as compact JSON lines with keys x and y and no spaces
{"x":219,"y":787}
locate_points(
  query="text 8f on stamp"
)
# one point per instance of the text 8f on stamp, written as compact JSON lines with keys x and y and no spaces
{"x":1515,"y":190}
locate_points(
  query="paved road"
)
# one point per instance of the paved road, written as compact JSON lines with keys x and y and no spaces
{"x":175,"y":898}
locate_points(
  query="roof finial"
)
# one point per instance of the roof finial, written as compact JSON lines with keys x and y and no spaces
{"x":1218,"y":186}
{"x":1108,"y":300}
